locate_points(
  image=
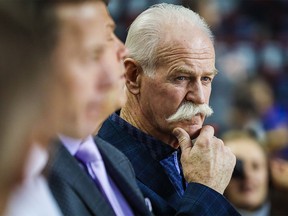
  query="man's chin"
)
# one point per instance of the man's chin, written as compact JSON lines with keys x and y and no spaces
{"x":192,"y":130}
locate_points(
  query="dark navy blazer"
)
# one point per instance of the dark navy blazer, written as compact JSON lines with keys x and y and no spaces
{"x":155,"y":184}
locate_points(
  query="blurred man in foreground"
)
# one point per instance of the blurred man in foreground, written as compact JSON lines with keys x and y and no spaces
{"x":29,"y":115}
{"x":87,"y":176}
{"x":87,"y":58}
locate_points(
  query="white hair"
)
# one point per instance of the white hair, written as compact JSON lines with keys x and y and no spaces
{"x":145,"y":33}
{"x":188,"y":109}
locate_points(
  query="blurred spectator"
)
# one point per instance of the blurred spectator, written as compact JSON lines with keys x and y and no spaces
{"x":255,"y":108}
{"x":279,"y":180}
{"x":249,"y":192}
{"x":279,"y":168}
{"x":250,"y":188}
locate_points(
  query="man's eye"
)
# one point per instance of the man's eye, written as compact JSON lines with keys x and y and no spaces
{"x":181,"y":78}
{"x":207,"y":79}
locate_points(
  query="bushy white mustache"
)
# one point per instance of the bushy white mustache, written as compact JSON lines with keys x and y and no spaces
{"x":187,"y":110}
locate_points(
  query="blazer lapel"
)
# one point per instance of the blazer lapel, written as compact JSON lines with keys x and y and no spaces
{"x":114,"y":167}
{"x":70,"y":171}
{"x":147,"y":170}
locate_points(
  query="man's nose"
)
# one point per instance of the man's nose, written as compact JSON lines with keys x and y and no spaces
{"x":195,"y":93}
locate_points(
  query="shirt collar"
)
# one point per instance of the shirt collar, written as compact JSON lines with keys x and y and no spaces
{"x":156,"y":148}
{"x":72,"y":144}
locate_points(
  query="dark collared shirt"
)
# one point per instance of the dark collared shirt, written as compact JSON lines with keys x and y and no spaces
{"x":167,"y":156}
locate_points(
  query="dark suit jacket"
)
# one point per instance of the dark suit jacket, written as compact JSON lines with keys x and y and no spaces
{"x":155,"y":184}
{"x":75,"y":191}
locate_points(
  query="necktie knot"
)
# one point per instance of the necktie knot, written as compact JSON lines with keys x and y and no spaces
{"x":86,"y":152}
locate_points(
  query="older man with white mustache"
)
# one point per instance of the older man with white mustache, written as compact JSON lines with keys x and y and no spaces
{"x":169,"y":75}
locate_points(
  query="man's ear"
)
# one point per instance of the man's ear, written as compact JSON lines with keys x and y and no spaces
{"x":133,"y":75}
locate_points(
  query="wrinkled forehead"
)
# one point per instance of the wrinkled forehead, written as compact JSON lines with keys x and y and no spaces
{"x":187,"y":35}
{"x":187,"y":38}
{"x":193,"y":49}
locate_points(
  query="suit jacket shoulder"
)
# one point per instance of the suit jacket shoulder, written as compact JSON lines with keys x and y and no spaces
{"x":76,"y":192}
{"x":121,"y":171}
{"x":155,"y":184}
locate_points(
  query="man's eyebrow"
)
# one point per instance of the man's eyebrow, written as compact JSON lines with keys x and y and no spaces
{"x":182,"y":69}
{"x":215,"y":72}
{"x":187,"y":70}
{"x":212,"y":73}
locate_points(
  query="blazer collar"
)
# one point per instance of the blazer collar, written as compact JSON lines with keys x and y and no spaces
{"x":147,"y":170}
{"x":130,"y":191}
{"x":69,"y":171}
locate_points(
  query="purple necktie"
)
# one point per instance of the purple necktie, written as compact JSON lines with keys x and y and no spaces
{"x":89,"y":155}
